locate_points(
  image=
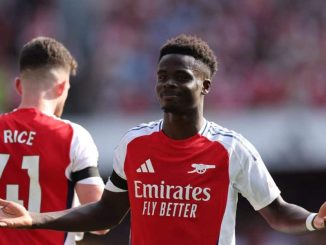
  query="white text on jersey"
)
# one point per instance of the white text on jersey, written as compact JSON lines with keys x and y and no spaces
{"x":164,"y":191}
{"x":163,"y":199}
{"x":21,"y":137}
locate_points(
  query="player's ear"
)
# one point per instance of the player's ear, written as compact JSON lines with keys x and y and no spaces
{"x":60,"y":88}
{"x":18,"y":85}
{"x":206,"y":86}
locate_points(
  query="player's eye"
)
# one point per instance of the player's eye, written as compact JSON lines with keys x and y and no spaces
{"x":161,"y":77}
{"x":183,"y":77}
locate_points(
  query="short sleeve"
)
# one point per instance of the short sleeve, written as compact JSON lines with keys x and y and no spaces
{"x":118,"y":180}
{"x":250,"y":176}
{"x":83,"y":151}
{"x":118,"y":168}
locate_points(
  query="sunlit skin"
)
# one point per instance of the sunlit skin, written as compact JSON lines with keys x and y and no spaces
{"x":182,"y":83}
{"x":45,"y":89}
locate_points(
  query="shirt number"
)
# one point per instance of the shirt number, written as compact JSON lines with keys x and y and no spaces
{"x":31,"y":164}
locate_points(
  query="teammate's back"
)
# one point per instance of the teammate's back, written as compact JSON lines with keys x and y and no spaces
{"x":34,"y":155}
{"x":44,"y":160}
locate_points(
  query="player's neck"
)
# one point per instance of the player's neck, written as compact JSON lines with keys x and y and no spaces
{"x":41,"y":105}
{"x":182,"y":126}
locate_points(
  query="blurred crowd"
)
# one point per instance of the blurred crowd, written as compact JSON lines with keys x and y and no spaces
{"x":271,"y":53}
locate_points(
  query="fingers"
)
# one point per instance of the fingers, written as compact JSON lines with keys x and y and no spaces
{"x":321,"y":216}
{"x":13,"y":223}
{"x":3,"y":224}
{"x":322,"y":210}
{"x":319,"y":222}
{"x":7,"y":223}
{"x":3,"y":202}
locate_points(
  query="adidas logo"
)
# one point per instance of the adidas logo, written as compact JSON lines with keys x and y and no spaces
{"x":146,"y":167}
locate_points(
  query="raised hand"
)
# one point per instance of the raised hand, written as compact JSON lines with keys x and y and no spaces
{"x":320,"y":220}
{"x":14,"y":215}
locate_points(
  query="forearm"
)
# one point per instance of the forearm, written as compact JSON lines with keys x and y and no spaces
{"x":100,"y":215}
{"x":88,"y":217}
{"x":286,"y":217}
{"x":291,"y":220}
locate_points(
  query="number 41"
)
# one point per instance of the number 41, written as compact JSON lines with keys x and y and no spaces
{"x":31,"y":163}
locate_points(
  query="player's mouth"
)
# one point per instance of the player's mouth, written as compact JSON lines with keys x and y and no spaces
{"x":169,"y":95}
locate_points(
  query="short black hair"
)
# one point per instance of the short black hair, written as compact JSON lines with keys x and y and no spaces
{"x":45,"y":51}
{"x":193,"y":46}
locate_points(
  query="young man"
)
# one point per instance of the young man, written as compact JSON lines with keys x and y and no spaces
{"x":180,"y":176}
{"x":43,"y":158}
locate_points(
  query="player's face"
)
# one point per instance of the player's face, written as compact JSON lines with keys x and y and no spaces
{"x":179,"y":84}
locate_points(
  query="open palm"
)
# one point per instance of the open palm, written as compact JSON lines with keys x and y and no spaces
{"x":14,"y":215}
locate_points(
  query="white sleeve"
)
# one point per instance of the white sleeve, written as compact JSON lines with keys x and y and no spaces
{"x":119,"y":176}
{"x":119,"y":157}
{"x":83,"y":153}
{"x":250,"y":176}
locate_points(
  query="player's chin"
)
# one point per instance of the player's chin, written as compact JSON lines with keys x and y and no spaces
{"x":170,"y":109}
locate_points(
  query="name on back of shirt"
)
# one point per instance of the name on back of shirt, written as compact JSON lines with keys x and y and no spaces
{"x":16,"y":136}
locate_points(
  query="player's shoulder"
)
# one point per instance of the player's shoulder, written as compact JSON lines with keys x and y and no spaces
{"x":59,"y":123}
{"x":32,"y":116}
{"x":143,"y":129}
{"x":4,"y":116}
{"x":78,"y":130}
{"x":226,"y":136}
{"x":231,"y":139}
{"x":8,"y":115}
{"x":217,"y":131}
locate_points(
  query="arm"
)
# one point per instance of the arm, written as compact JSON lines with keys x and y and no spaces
{"x":286,"y":217}
{"x":105,"y":213}
{"x":88,"y":193}
{"x":83,"y":169}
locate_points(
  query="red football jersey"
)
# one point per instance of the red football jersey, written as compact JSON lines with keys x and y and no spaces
{"x":37,"y":154}
{"x":185,"y":191}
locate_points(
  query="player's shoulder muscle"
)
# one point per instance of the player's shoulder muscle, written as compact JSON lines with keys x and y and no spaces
{"x":142,"y":129}
{"x":232,"y":140}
